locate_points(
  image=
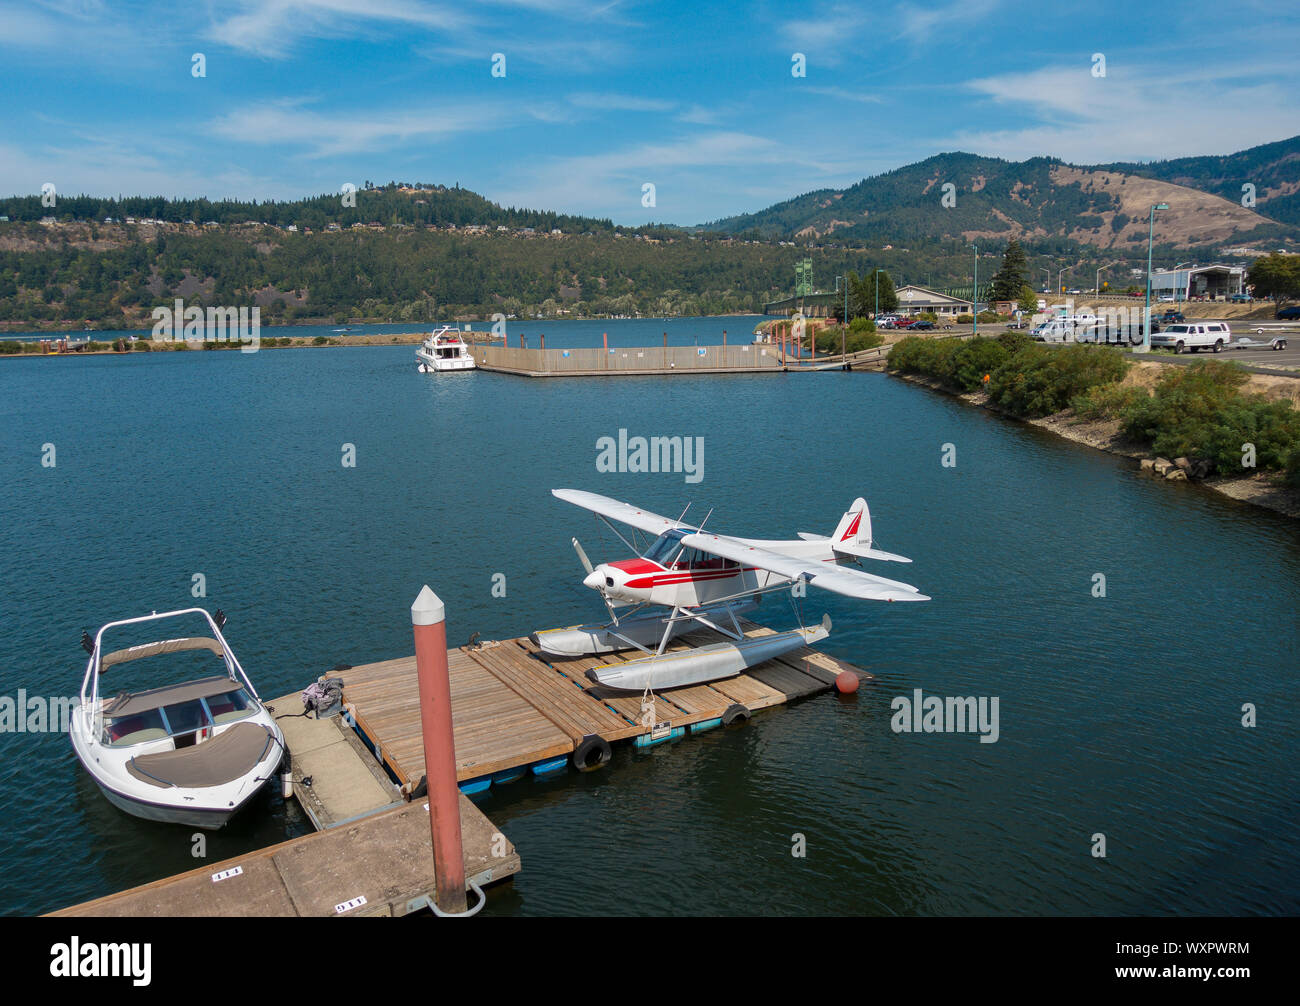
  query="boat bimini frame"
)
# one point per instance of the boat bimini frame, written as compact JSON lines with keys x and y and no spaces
{"x":100,"y":662}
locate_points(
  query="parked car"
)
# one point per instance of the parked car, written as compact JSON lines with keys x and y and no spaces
{"x":920,"y":325}
{"x":1240,"y":298}
{"x":1171,"y":317}
{"x":1288,"y":313}
{"x":906,"y":322}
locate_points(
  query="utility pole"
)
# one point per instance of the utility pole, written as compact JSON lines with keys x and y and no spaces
{"x":1151,"y":231}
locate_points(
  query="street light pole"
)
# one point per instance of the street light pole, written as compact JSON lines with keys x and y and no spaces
{"x":1175,"y":282}
{"x":975,"y":294}
{"x":1059,"y":274}
{"x":1151,"y":231}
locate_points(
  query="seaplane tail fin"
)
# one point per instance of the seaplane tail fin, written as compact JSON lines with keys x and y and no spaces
{"x":854,"y":528}
{"x":853,"y":536}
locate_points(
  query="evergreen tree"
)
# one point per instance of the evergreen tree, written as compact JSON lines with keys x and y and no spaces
{"x":1014,"y":274}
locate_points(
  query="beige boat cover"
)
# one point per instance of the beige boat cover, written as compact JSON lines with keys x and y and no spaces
{"x":162,"y":646}
{"x":130,"y":703}
{"x":224,"y":758}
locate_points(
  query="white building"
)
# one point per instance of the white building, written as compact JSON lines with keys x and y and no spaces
{"x":1214,"y":281}
{"x":914,"y":299}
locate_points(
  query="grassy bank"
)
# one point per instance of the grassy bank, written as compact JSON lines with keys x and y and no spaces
{"x":1203,"y":412}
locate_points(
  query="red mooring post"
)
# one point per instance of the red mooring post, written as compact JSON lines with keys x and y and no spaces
{"x":434,"y":681}
{"x":542,"y":338}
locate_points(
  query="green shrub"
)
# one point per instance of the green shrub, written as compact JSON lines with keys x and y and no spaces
{"x":965,"y":319}
{"x":973,"y":359}
{"x":320,"y":340}
{"x":10,"y":348}
{"x":931,"y":357}
{"x":1200,"y":411}
{"x":1037,"y":381}
{"x":1014,"y":342}
{"x":1108,"y":401}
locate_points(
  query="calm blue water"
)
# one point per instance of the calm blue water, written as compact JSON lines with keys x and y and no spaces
{"x":559,"y":334}
{"x":1118,"y":715}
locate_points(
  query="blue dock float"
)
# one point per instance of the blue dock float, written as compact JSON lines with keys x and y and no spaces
{"x":649,"y":740}
{"x":551,"y":765}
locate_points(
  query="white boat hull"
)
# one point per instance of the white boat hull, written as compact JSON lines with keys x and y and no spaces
{"x":207,"y":818}
{"x":443,"y":364}
{"x":705,"y":663}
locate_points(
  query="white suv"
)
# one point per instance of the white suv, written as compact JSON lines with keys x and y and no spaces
{"x":1195,"y":336}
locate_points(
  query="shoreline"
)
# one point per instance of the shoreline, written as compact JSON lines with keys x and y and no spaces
{"x":10,"y":328}
{"x":1263,"y":489}
{"x":266,"y":342}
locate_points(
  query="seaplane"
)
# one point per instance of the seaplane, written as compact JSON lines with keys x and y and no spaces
{"x":689,"y":577}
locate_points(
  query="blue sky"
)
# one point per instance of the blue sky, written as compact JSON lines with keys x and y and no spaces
{"x":302,"y":96}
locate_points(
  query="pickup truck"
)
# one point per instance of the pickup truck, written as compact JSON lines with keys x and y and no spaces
{"x":1214,"y":335}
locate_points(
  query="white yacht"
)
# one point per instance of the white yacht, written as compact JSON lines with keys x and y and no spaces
{"x":444,"y":350}
{"x":191,"y":753}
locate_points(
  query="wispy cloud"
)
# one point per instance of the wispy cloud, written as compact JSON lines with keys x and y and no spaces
{"x":693,"y":176}
{"x":619,"y":102}
{"x":918,"y":24}
{"x":293,"y":124}
{"x":272,"y":28}
{"x":1136,"y":114}
{"x":845,"y":94}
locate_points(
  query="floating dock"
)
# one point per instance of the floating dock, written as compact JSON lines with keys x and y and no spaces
{"x":359,"y":776}
{"x":514,"y":709}
{"x":749,"y":358}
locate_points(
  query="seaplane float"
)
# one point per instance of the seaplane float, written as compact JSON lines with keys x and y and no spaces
{"x":689,"y":577}
{"x":191,"y":752}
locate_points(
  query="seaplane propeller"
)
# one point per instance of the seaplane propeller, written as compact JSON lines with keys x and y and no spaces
{"x":595,"y":580}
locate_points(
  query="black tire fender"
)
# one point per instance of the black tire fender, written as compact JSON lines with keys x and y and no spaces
{"x":592,"y":752}
{"x":735,"y":713}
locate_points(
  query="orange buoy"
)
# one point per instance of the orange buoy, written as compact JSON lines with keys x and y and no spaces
{"x":846,"y":682}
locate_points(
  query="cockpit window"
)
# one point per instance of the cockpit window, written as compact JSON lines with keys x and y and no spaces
{"x":665,"y":547}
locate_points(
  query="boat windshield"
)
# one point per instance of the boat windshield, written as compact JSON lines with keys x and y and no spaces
{"x":138,"y":726}
{"x":665,"y":546}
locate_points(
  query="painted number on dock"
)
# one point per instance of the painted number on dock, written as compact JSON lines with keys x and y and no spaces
{"x":347,"y":906}
{"x":234,"y":871}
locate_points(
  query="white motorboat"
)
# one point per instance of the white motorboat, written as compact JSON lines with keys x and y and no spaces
{"x":191,"y":753}
{"x":444,"y":350}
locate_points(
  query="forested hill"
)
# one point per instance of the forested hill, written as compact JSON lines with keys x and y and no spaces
{"x":416,"y":205}
{"x":959,"y":196}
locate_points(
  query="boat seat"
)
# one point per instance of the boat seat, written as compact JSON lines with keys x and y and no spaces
{"x":224,"y":758}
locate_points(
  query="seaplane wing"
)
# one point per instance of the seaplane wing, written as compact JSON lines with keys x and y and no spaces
{"x":624,"y":513}
{"x":827,"y":575}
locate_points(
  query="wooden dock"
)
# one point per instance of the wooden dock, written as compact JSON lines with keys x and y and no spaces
{"x":371,"y":854}
{"x":514,"y":709}
{"x":380,"y":865}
